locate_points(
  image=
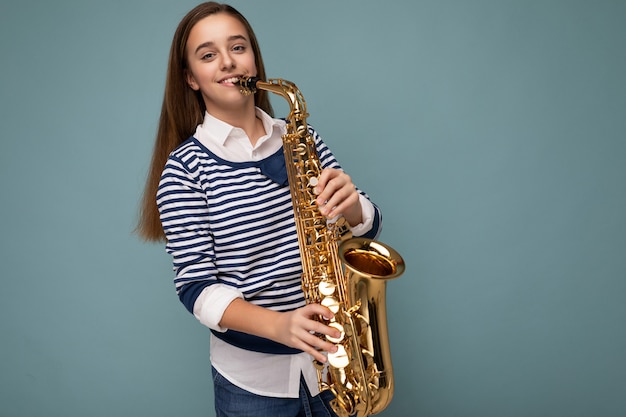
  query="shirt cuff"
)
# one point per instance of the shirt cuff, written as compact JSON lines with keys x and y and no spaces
{"x":367,"y":212}
{"x":210,"y":305}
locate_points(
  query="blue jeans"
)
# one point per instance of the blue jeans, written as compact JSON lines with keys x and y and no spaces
{"x":232,"y":401}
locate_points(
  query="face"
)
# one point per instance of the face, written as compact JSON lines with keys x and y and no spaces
{"x":218,"y":53}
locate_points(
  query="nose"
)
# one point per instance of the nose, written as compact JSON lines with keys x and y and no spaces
{"x":227,"y":62}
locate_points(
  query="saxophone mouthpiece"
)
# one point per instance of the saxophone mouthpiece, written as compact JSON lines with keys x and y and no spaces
{"x":248,"y":85}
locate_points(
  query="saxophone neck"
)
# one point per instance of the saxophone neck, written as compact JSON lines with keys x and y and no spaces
{"x":286,"y":89}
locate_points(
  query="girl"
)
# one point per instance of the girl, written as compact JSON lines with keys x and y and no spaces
{"x":217,"y":194}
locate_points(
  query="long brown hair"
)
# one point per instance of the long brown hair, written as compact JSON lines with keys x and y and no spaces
{"x":183,"y":110}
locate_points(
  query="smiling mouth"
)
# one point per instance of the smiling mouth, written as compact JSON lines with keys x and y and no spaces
{"x":231,"y":80}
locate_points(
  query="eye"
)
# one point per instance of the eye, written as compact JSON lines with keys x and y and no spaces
{"x":239,"y":48}
{"x":208,"y":56}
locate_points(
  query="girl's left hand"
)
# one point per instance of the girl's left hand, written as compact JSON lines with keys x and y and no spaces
{"x":336,"y":194}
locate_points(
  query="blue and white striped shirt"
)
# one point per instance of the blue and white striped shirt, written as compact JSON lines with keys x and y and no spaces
{"x":230,"y":227}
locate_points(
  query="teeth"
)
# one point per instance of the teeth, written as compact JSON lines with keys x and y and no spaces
{"x":230,"y":80}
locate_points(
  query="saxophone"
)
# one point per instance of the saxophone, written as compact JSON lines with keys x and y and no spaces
{"x":346,"y":274}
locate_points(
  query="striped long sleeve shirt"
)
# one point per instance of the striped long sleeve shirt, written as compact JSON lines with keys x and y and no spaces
{"x":230,"y":223}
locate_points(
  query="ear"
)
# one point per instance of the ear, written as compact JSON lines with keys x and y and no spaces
{"x":191,"y":81}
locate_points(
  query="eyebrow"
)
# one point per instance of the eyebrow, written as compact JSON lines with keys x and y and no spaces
{"x":211,"y":43}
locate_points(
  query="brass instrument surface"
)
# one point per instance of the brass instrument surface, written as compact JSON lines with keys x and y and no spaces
{"x":346,"y":274}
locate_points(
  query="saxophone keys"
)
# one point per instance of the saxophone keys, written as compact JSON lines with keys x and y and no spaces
{"x":339,"y":359}
{"x":313,"y":181}
{"x":300,"y":149}
{"x":331,"y":303}
{"x":327,"y":287}
{"x":339,"y":327}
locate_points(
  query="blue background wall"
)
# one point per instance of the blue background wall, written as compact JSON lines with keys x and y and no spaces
{"x":491,"y":133}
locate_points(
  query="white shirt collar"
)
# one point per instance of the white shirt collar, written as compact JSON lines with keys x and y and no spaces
{"x":218,"y":131}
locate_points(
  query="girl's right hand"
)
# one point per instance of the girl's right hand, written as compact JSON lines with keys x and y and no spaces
{"x":298,"y":329}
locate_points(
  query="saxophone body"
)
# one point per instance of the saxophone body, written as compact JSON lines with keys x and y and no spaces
{"x":348,"y":275}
